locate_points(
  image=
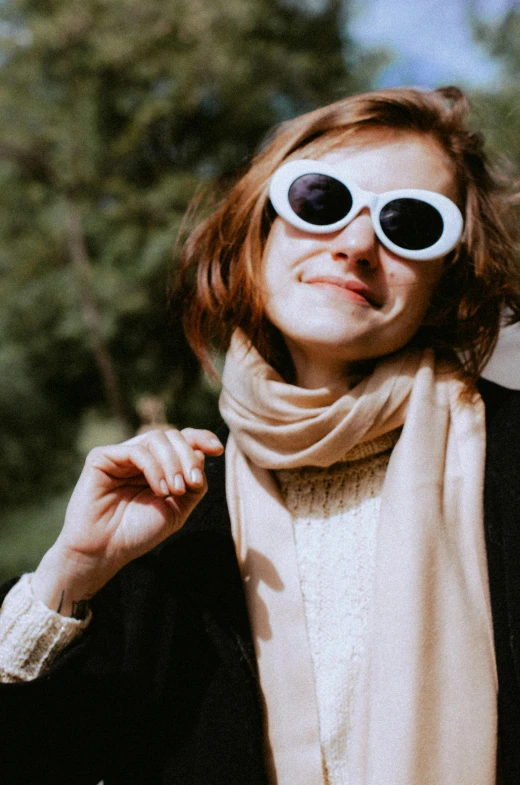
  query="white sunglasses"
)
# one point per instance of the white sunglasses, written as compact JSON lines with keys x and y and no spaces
{"x":415,"y":224}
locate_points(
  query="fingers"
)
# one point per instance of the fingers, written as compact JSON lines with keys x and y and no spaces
{"x":185,"y":465}
{"x":171,"y":462}
{"x":206,"y":441}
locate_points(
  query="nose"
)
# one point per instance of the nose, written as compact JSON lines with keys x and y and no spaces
{"x":357,"y":241}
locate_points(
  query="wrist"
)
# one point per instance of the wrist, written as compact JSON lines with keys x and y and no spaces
{"x":65,"y":582}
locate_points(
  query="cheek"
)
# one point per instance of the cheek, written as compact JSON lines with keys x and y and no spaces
{"x":281,"y":264}
{"x":275,"y":256}
{"x":412,"y":291}
{"x":269,"y":273}
{"x":276,"y":286}
{"x":414,"y":285}
{"x":272,"y":280}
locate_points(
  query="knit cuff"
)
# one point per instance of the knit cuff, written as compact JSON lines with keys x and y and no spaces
{"x":31,"y":634}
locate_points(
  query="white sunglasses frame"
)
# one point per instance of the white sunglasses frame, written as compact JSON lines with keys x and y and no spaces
{"x":288,"y":172}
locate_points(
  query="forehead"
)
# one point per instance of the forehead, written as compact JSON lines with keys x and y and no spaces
{"x":388,"y":161}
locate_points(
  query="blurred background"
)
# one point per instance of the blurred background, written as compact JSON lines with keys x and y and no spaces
{"x":113,"y":114}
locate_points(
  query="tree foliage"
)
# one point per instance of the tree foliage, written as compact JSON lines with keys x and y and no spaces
{"x":498,"y":111}
{"x":112,"y":114}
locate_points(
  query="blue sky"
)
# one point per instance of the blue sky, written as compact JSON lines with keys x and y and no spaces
{"x":431,"y":39}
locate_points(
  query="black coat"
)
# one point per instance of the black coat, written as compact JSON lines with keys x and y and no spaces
{"x":162,"y":688}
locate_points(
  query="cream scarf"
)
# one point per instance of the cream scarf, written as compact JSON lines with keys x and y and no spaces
{"x":426,"y":713}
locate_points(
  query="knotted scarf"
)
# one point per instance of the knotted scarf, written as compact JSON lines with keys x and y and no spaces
{"x":426,"y":710}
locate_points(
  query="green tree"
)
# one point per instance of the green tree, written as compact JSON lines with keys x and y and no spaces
{"x":112,"y":114}
{"x":498,"y":110}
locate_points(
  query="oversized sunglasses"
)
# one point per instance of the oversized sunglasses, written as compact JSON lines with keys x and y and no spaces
{"x":415,"y":224}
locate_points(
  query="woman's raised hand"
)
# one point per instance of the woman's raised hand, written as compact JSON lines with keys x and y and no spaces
{"x":128,"y":499}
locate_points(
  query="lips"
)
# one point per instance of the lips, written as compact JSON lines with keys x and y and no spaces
{"x":350,"y":285}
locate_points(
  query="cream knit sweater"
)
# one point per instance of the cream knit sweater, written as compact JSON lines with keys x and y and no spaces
{"x":335,"y":513}
{"x":31,"y":635}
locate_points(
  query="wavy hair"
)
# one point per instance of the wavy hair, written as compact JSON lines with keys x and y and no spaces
{"x":220,"y":269}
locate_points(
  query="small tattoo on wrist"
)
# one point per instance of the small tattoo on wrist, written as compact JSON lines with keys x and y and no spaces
{"x":60,"y":604}
{"x":79,"y":609}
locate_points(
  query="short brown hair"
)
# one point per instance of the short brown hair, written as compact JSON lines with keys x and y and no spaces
{"x":220,"y":265}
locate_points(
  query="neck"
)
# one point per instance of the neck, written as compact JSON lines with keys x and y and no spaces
{"x":314,"y":373}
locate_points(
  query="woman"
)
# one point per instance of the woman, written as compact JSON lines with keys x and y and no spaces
{"x":335,"y":609}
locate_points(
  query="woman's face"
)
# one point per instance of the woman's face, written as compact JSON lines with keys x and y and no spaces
{"x":342,"y":298}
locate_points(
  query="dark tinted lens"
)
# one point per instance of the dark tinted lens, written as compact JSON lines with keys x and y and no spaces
{"x":411,"y":223}
{"x":319,"y":199}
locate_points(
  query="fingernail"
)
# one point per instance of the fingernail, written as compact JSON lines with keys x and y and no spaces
{"x":178,"y":483}
{"x":216,"y":443}
{"x":164,"y":488}
{"x":196,"y":476}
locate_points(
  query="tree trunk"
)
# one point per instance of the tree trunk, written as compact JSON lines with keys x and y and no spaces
{"x":83,"y":268}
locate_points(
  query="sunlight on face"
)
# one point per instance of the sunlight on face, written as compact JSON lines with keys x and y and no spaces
{"x":342,"y":298}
